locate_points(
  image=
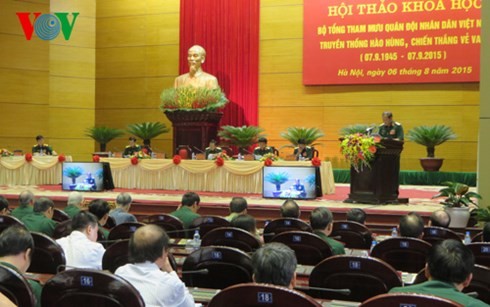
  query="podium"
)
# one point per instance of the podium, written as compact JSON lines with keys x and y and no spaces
{"x":378,"y":184}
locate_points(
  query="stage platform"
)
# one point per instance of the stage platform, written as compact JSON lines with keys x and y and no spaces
{"x":148,"y":202}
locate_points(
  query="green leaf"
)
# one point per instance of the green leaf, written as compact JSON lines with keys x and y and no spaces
{"x":244,"y":136}
{"x":103,"y":135}
{"x":147,"y":130}
{"x":310,"y":135}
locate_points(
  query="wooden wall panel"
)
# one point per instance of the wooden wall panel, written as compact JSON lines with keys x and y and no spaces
{"x":82,"y":34}
{"x":121,"y":62}
{"x":19,"y":53}
{"x":72,"y":61}
{"x":72,"y":92}
{"x":23,"y":86}
{"x":9,"y":22}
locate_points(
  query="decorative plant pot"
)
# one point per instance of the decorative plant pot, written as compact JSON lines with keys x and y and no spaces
{"x":276,"y":193}
{"x":459,"y":216}
{"x":431,"y":164}
{"x":180,"y":116}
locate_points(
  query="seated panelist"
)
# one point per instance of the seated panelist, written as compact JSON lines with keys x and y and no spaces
{"x":41,"y":148}
{"x":303,"y":152}
{"x":132,"y":148}
{"x":262,"y":149}
{"x":211,"y":151}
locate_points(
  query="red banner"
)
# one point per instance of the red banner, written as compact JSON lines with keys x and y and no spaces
{"x":391,"y":41}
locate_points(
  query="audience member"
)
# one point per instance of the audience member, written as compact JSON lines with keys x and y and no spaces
{"x":187,"y":210}
{"x":440,"y":218}
{"x":16,"y":248}
{"x":321,"y":221}
{"x":120,"y":214}
{"x":238,"y":206}
{"x":275,"y":263}
{"x":150,"y":271}
{"x":247,"y":223}
{"x":40,"y":220}
{"x":4,"y":206}
{"x":486,"y":232}
{"x":74,"y":204}
{"x":81,"y":247}
{"x":412,"y":225}
{"x":26,"y":202}
{"x":100,"y":208}
{"x":356,"y":215}
{"x":290,"y":208}
{"x":448,"y":270}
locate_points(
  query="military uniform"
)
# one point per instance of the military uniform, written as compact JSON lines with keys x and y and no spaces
{"x":105,"y":233}
{"x":336,"y":246}
{"x":71,"y":210}
{"x":43,"y":149}
{"x":38,"y":222}
{"x":441,"y":289}
{"x":21,"y":211}
{"x":393,"y":131}
{"x":35,"y":286}
{"x":214,"y":151}
{"x":186,"y":215}
{"x":259,"y":153}
{"x":307,"y":153}
{"x":131,"y":150}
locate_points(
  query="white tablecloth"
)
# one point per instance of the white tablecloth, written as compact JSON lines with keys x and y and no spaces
{"x":15,"y":170}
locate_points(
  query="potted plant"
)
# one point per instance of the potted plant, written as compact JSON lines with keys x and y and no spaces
{"x":277,"y":179}
{"x":357,"y":128}
{"x":242,"y":137}
{"x":310,"y":135}
{"x":73,"y":173}
{"x":103,"y":135}
{"x":430,"y":137}
{"x":359,"y":150}
{"x":458,"y":202}
{"x":147,"y":131}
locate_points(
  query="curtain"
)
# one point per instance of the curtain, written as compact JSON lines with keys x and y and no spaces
{"x":229,"y":31}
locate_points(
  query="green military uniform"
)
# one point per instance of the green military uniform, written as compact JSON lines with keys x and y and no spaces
{"x":186,"y":215}
{"x":104,"y":232}
{"x":42,"y":149}
{"x":131,"y":150}
{"x":307,"y":153}
{"x":232,"y":216}
{"x":214,"y":151}
{"x":441,"y":289}
{"x":336,"y":246}
{"x":71,"y":210}
{"x":38,"y":222}
{"x":35,"y":286}
{"x":21,"y":211}
{"x":393,"y":131}
{"x":259,"y":153}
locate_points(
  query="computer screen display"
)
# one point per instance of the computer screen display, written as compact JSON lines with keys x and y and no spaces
{"x":297,"y":182}
{"x":83,"y":176}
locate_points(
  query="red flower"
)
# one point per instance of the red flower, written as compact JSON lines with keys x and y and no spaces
{"x":372,"y":149}
{"x":145,"y":150}
{"x":177,"y":159}
{"x":268,"y":162}
{"x":360,"y":156}
{"x":61,"y":158}
{"x":28,"y":157}
{"x":95,"y":158}
{"x":316,"y":161}
{"x":134,"y":160}
{"x":220,"y":161}
{"x":377,"y":139}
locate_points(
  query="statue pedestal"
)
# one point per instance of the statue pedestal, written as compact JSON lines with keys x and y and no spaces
{"x":194,"y":128}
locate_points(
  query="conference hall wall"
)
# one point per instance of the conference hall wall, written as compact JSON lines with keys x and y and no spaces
{"x":47,"y":86}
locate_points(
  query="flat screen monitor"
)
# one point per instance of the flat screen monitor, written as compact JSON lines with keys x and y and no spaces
{"x":83,"y":176}
{"x":296,"y":182}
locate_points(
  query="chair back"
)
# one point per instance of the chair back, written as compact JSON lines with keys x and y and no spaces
{"x":364,"y":276}
{"x":404,"y":254}
{"x":231,"y":237}
{"x":353,"y":234}
{"x":60,"y":216}
{"x":48,"y":256}
{"x":81,"y":288}
{"x":310,"y":249}
{"x":62,"y":229}
{"x":116,"y":255}
{"x":16,"y":288}
{"x":408,"y":299}
{"x":111,"y":223}
{"x":281,"y":225}
{"x":217,"y":267}
{"x":259,"y":295}
{"x":477,"y":238}
{"x":481,"y":250}
{"x":172,"y":225}
{"x":480,"y":283}
{"x":315,"y":151}
{"x":434,"y":234}
{"x":184,"y":151}
{"x":124,"y":231}
{"x":6,"y":221}
{"x":207,"y":223}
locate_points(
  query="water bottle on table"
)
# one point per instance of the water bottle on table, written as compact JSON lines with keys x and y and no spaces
{"x":467,"y":238}
{"x":394,"y":232}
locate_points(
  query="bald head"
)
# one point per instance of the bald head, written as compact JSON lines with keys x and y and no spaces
{"x":290,"y":209}
{"x":148,"y":243}
{"x":198,"y":49}
{"x":440,"y":218}
{"x":26,"y":198}
{"x":412,"y":225}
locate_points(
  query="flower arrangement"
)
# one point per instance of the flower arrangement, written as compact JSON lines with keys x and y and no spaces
{"x":221,"y":155}
{"x":177,"y":159}
{"x":268,"y":162}
{"x":5,"y":153}
{"x":220,"y":161}
{"x":142,"y":154}
{"x":191,"y":98}
{"x":61,"y":158}
{"x":269,"y":156}
{"x":95,"y":158}
{"x":134,"y":160}
{"x":316,"y":161}
{"x":28,"y":157}
{"x":359,"y":149}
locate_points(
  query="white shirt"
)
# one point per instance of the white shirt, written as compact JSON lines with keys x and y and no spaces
{"x":157,"y":288}
{"x":80,"y":252}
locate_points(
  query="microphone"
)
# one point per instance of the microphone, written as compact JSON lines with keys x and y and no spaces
{"x":369,"y":130}
{"x":269,"y":234}
{"x":339,"y":291}
{"x":248,"y":152}
{"x":198,"y":272}
{"x":197,"y":149}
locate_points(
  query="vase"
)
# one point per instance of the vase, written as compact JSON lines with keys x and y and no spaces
{"x":459,"y":216}
{"x":431,"y":164}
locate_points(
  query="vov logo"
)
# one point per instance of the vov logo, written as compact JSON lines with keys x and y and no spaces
{"x":47,"y":26}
